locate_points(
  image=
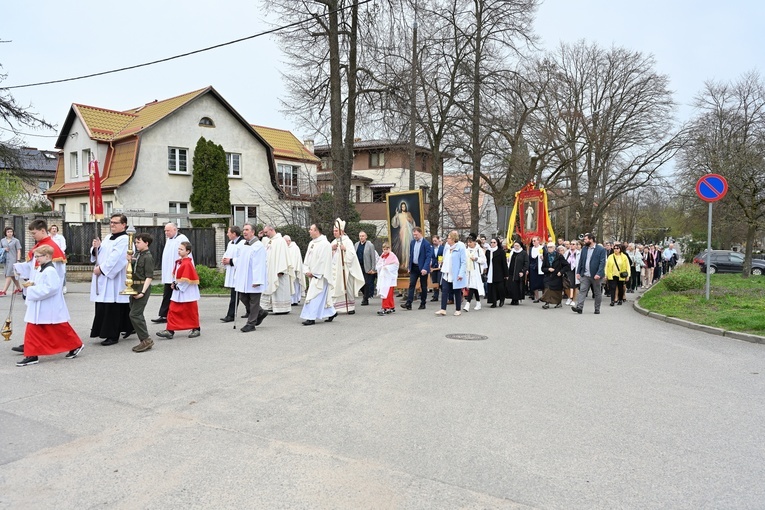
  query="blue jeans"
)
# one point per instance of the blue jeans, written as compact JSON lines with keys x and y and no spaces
{"x":447,"y":290}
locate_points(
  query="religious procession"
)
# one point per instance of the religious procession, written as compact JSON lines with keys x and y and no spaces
{"x":267,"y":274}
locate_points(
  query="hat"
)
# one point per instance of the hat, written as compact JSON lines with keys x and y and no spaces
{"x":340,"y":224}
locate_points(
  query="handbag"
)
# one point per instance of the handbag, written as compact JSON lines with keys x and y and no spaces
{"x":622,"y":274}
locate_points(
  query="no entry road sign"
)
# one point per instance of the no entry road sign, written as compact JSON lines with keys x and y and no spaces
{"x":711,"y":187}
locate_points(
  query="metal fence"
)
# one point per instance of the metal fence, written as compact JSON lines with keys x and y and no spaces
{"x":79,"y":239}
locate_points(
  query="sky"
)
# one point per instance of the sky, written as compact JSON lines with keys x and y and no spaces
{"x":692,"y":42}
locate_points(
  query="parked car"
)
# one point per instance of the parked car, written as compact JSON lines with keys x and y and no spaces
{"x":726,"y":261}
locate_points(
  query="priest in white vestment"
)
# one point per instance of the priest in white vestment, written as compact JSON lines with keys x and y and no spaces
{"x":277,"y":297}
{"x":347,"y":275}
{"x":296,"y":265}
{"x":232,"y":250}
{"x":250,"y":277}
{"x":318,"y":268}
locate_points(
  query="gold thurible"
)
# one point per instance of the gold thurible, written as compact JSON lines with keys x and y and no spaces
{"x":129,"y":290}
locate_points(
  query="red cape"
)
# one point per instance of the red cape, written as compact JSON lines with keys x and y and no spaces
{"x":185,"y":271}
{"x":58,"y":255}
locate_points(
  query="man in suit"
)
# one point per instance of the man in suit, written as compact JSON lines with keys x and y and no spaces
{"x":435,"y":265}
{"x":590,"y":271}
{"x":365,"y":252}
{"x":420,"y":257}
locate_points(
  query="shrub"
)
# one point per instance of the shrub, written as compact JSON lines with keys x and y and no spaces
{"x":684,"y":277}
{"x":298,"y":235}
{"x":210,"y":278}
{"x":353,"y":229}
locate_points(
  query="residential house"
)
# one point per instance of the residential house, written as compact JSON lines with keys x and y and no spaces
{"x":146,"y":159}
{"x":36,"y":169}
{"x":456,"y":207}
{"x":379,"y":167}
{"x":296,"y":168}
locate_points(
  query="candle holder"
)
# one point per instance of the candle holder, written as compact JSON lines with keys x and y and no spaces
{"x":129,"y":290}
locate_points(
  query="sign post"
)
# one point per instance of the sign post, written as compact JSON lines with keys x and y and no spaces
{"x":710,"y":188}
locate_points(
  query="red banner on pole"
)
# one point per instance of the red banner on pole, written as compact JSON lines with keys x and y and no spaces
{"x":96,"y":200}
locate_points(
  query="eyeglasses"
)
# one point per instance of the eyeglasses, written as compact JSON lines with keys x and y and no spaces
{"x":617,"y":248}
{"x":115,"y":222}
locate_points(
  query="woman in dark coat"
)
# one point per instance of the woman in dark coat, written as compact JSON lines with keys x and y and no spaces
{"x":518,"y":268}
{"x":554,"y":269}
{"x":496,"y":274}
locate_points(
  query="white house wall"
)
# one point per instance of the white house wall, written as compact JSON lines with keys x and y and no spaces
{"x":152,"y":187}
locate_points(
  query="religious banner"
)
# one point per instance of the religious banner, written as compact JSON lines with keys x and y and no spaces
{"x":405,"y":211}
{"x":530,"y":216}
{"x":94,"y":191}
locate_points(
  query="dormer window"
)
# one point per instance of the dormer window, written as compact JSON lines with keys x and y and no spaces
{"x":206,"y":122}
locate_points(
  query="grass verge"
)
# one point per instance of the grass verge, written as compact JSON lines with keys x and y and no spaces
{"x":735,"y":303}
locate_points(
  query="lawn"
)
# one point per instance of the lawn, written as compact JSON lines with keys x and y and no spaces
{"x":735,"y":303}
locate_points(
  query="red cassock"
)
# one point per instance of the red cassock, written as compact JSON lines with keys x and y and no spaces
{"x":184,"y":309}
{"x":47,"y":339}
{"x":58,"y":255}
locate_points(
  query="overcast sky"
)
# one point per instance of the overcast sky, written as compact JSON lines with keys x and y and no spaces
{"x":692,"y":41}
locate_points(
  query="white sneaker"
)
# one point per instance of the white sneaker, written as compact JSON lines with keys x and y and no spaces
{"x":568,"y":302}
{"x":466,"y":306}
{"x":477,"y":306}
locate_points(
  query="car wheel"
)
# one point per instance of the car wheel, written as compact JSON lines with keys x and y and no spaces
{"x":712,"y":270}
{"x":757,"y":271}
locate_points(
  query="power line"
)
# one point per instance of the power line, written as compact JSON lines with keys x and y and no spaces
{"x":28,"y":134}
{"x":260,"y":34}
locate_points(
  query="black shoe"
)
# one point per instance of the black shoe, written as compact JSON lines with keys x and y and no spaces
{"x":309,"y":323}
{"x":381,"y":312}
{"x":295,"y":304}
{"x":244,"y":316}
{"x":493,"y":305}
{"x":330,"y":319}
{"x":576,"y":310}
{"x":407,"y":306}
{"x":227,"y":319}
{"x":365,"y":303}
{"x":620,"y":303}
{"x":18,"y":348}
{"x":514,"y":303}
{"x":74,"y":352}
{"x":546,"y":306}
{"x":501,"y":303}
{"x":421,"y":307}
{"x":29,"y":360}
{"x":559,"y":305}
{"x":110,"y":341}
{"x":535,"y":301}
{"x":434,"y":299}
{"x":352,"y":312}
{"x":611,"y":303}
{"x":262,"y":314}
{"x":597,"y":312}
{"x":127,"y":333}
{"x":247,"y":328}
{"x":159,"y":320}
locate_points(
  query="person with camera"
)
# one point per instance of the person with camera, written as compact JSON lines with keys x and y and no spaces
{"x":618,"y":272}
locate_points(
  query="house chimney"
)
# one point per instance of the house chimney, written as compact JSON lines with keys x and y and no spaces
{"x":309,"y":144}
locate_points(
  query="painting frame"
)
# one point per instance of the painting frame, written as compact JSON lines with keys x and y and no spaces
{"x":398,"y":219}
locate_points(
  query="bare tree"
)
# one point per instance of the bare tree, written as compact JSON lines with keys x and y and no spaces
{"x":727,"y":136}
{"x":609,"y":117}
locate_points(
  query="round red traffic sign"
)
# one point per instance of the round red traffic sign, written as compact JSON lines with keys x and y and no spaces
{"x":711,"y":187}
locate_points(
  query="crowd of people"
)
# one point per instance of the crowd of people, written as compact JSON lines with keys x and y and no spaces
{"x":267,"y":274}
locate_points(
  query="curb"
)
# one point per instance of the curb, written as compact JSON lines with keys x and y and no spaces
{"x":746,"y":337}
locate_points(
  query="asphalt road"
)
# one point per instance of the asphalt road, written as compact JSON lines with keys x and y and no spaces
{"x":552,"y":410}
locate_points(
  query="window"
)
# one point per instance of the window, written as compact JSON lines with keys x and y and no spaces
{"x":176,"y":160}
{"x":287,"y":178}
{"x":244,"y":214}
{"x":87,"y":157}
{"x":378,"y":194}
{"x":467,"y":190}
{"x":74,"y":164}
{"x":108,"y":209}
{"x":179,"y":208}
{"x":300,"y":216}
{"x":326,"y":164}
{"x":84,"y":211}
{"x":43,"y":186}
{"x":376,"y":159}
{"x":425,"y":194}
{"x":206,"y":122}
{"x":234,"y":164}
{"x":62,"y":210}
